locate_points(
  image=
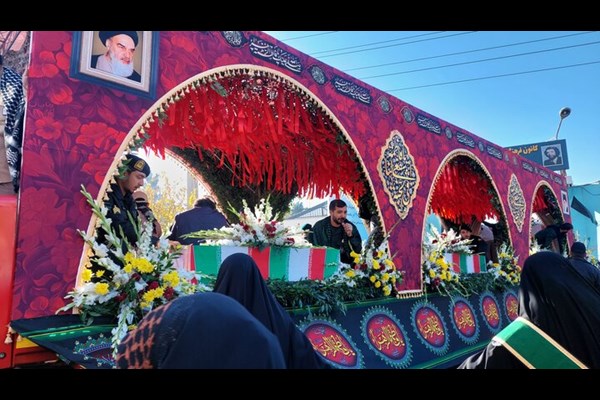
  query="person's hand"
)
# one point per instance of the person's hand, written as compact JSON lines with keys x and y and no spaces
{"x":347,"y":228}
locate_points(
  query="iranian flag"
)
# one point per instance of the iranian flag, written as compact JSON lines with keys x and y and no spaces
{"x":290,"y":264}
{"x":465,"y":263}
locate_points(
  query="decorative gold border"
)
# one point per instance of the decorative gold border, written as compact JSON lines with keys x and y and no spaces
{"x":180,"y":91}
{"x":515,"y":185}
{"x":401,"y":213}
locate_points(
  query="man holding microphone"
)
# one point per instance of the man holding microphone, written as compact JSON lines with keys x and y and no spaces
{"x":337,"y":232}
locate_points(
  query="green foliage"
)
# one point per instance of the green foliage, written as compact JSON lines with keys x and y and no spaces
{"x":322,"y":297}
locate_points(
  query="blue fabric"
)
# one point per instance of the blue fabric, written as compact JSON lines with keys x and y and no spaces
{"x":240,"y":278}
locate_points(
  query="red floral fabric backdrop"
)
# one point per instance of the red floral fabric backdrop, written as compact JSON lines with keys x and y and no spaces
{"x":74,"y":128}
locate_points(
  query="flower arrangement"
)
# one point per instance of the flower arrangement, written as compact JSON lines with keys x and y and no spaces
{"x":438,"y":273}
{"x":506,"y":272}
{"x":373,"y":265}
{"x":258,"y":228}
{"x":126,"y":286}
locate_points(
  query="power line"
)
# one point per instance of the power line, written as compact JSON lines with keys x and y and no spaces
{"x":481,"y":60}
{"x":307,"y":36}
{"x":467,"y":51}
{"x":493,"y":76}
{"x":399,"y":44}
{"x":374,"y":43}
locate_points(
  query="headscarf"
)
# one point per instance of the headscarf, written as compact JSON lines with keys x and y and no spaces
{"x":560,"y":301}
{"x":203,"y":330}
{"x":239,"y":277}
{"x":563,"y":303}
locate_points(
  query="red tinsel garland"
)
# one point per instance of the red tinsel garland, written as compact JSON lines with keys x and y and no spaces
{"x":462,"y":193}
{"x":264,"y":130}
{"x":540,"y":205}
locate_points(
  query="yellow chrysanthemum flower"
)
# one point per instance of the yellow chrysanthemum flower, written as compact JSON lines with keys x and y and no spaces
{"x":171,"y":278}
{"x":350,"y":273}
{"x":150,"y":295}
{"x":143,"y":265}
{"x":128,"y":268}
{"x":385,"y":277}
{"x":377,"y":284}
{"x":389,"y":263}
{"x":100,"y":273}
{"x":376,"y":264}
{"x":101,"y":288}
{"x":373,"y":278}
{"x":393,"y":279}
{"x":86,"y":275}
{"x":431,"y":273}
{"x":387,"y":290}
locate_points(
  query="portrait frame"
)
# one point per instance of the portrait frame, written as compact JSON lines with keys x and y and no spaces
{"x":86,"y":45}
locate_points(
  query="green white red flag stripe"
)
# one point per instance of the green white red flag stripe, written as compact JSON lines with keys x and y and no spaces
{"x":291,"y":264}
{"x":466,"y":264}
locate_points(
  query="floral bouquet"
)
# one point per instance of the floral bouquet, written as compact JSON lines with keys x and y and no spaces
{"x":258,"y":228}
{"x":506,"y":272}
{"x":438,"y":274}
{"x":375,"y":266}
{"x":126,"y":286}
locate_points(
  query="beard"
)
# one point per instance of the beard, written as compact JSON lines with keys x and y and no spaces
{"x":119,"y":67}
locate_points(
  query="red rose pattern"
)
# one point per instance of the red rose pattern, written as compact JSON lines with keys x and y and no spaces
{"x":74,"y":128}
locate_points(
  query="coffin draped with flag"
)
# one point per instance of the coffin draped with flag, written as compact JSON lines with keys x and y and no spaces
{"x":288,"y":263}
{"x":466,"y":263}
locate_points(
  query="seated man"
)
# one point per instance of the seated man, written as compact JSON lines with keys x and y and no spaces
{"x":478,"y":245}
{"x":337,"y":232}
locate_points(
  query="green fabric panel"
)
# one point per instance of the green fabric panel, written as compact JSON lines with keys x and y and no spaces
{"x":207,"y":259}
{"x":332,"y":259}
{"x":482,"y":263}
{"x":279,"y":261}
{"x":463,"y":264}
{"x":534,"y":348}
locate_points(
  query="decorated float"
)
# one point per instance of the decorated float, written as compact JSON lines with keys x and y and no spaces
{"x":281,"y":123}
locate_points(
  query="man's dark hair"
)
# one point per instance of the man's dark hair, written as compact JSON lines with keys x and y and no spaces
{"x":578,"y":249}
{"x":205,"y":202}
{"x":556,"y":151}
{"x":466,"y":228}
{"x":337,"y":203}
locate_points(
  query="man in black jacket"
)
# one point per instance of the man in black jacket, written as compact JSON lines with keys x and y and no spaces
{"x":579,"y":261}
{"x":337,"y":232}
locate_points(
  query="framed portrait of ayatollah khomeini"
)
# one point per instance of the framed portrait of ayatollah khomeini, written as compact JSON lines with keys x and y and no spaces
{"x":123,"y":60}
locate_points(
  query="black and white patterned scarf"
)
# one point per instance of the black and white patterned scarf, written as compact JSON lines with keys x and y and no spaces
{"x":11,"y":89}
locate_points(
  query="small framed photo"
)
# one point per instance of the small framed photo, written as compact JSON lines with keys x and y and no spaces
{"x":565,"y":202}
{"x":123,"y":60}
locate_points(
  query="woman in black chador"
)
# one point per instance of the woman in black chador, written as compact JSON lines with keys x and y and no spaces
{"x":556,"y":299}
{"x":202,"y":330}
{"x":239,"y":277}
